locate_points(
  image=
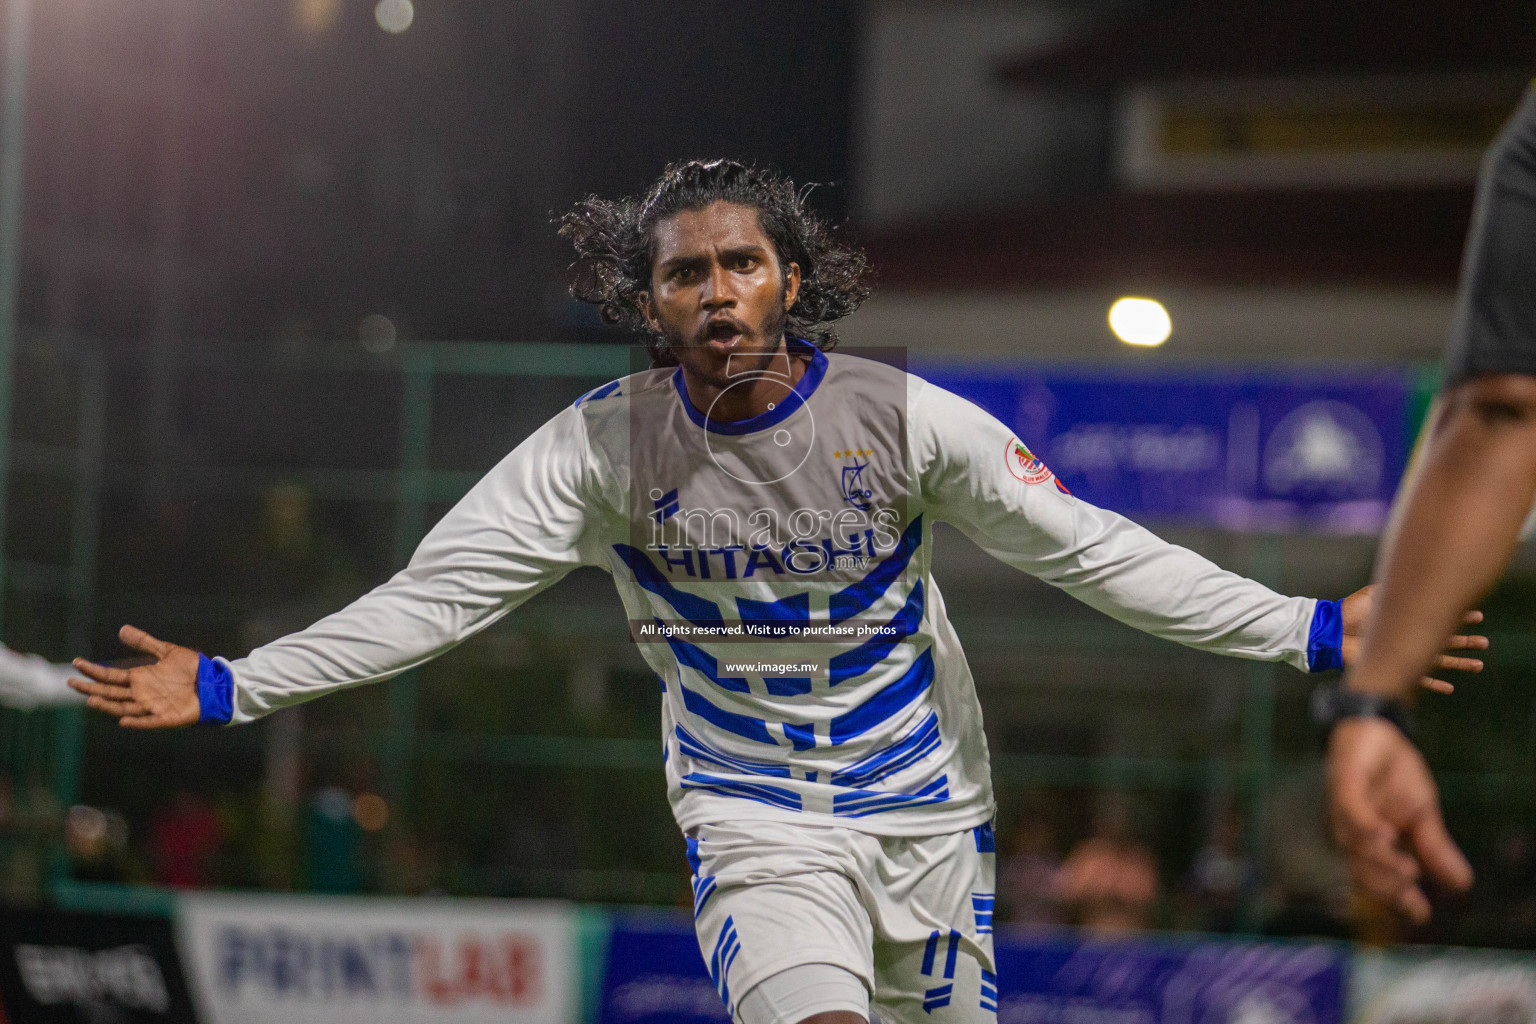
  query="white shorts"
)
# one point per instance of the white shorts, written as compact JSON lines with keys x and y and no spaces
{"x":909,"y":917}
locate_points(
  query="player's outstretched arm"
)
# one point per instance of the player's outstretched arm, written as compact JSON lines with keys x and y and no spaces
{"x":517,"y":531}
{"x":28,"y":681}
{"x":159,"y":695}
{"x":1108,"y":562}
{"x":1356,"y":613}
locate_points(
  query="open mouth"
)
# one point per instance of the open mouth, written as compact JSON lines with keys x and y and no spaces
{"x":722,"y":334}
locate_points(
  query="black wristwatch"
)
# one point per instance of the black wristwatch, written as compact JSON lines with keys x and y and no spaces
{"x":1331,"y":703}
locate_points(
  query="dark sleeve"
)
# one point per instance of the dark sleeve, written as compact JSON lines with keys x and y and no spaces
{"x":1494,"y":330}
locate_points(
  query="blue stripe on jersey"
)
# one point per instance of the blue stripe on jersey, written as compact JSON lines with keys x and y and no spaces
{"x":787,"y":686}
{"x":695,"y":609}
{"x":775,"y":796}
{"x":794,"y":608}
{"x":982,"y":904}
{"x":699,"y":750}
{"x":859,"y":803}
{"x":802,"y":736}
{"x":858,"y":597}
{"x":702,"y":661}
{"x":600,"y":392}
{"x":937,"y":998}
{"x":703,"y":889}
{"x":872,"y":652}
{"x":886,"y":703}
{"x":905,"y":752}
{"x":726,"y":948}
{"x":986,"y":838}
{"x":741,"y":725}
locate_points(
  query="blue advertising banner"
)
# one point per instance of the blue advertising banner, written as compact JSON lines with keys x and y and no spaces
{"x":655,"y":973}
{"x":1066,"y":980}
{"x":1300,"y":450}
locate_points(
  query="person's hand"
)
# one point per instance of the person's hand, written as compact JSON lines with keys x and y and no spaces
{"x":1356,"y":610}
{"x":159,"y":695}
{"x":1386,"y":816}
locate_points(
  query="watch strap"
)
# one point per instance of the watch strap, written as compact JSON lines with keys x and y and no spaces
{"x":1332,"y":703}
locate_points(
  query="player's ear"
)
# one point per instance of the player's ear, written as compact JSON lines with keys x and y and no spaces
{"x":648,"y":310}
{"x":791,"y":285}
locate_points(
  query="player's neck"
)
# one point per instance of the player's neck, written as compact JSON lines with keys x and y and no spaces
{"x":749,"y":385}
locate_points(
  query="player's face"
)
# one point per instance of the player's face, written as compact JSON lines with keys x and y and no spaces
{"x":718,"y":293}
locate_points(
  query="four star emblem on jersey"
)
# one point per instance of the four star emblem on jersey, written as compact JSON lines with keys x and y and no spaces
{"x":1023,"y":463}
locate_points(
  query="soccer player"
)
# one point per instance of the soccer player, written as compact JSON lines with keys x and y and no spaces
{"x":766,"y":509}
{"x":1454,"y":529}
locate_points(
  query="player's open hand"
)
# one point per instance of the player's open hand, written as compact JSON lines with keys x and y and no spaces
{"x":1356,"y":610}
{"x":1386,"y":818}
{"x":159,"y":695}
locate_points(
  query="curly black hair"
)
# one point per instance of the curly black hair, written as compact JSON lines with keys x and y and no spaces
{"x":615,"y":247}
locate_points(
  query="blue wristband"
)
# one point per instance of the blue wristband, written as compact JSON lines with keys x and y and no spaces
{"x":1325,"y":641}
{"x":215,"y":690}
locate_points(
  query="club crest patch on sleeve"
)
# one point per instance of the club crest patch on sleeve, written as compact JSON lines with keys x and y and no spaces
{"x":1023,"y":464}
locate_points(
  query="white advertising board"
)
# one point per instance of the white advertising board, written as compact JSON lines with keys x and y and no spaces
{"x":1410,"y":984}
{"x":338,"y":960}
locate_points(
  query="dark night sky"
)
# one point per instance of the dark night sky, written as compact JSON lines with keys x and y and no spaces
{"x":325,"y":178}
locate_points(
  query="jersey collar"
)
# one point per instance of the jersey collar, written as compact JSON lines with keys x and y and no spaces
{"x":763,"y":420}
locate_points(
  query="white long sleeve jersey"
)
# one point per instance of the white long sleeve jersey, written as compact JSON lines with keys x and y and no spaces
{"x":775,"y":573}
{"x":28,"y":681}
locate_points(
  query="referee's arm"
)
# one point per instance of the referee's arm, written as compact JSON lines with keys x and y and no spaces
{"x":1455,"y":526}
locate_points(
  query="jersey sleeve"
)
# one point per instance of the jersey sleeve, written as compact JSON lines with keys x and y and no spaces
{"x":977,"y":476}
{"x":524,"y":526}
{"x":29,"y":681}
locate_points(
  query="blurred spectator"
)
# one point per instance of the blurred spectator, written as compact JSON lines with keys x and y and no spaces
{"x":1029,"y":878}
{"x":1109,"y":881}
{"x":1221,"y":877}
{"x":30,"y":827}
{"x":97,"y":843}
{"x":333,"y":843}
{"x":183,"y":839}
